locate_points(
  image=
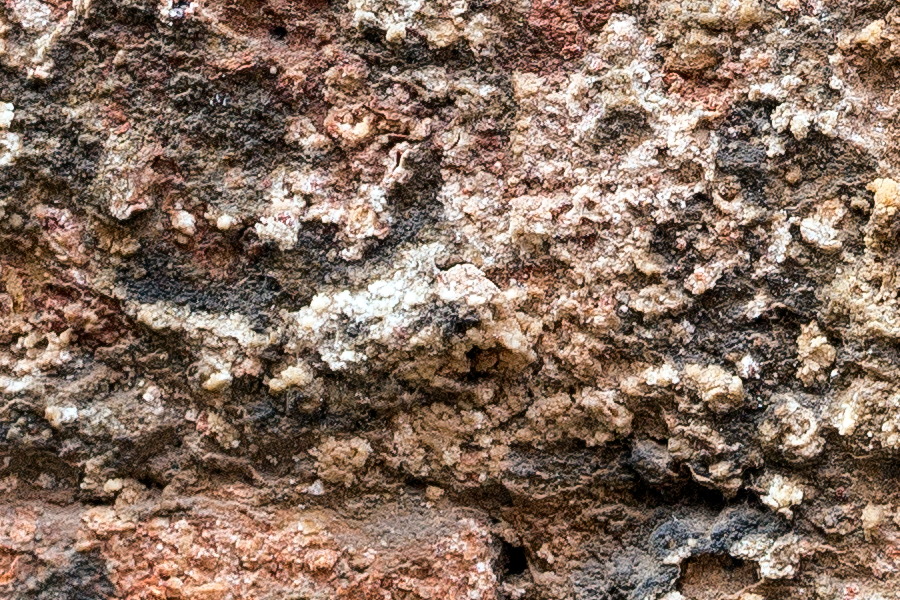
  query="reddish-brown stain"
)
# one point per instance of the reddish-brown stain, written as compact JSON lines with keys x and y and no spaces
{"x":557,"y":31}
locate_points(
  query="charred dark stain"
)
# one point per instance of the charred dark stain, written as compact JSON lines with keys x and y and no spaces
{"x":415,"y":204}
{"x":652,"y":461}
{"x":157,"y":276}
{"x":742,"y":158}
{"x":139,"y":456}
{"x":453,"y":319}
{"x":566,"y":465}
{"x":712,"y":533}
{"x":415,"y":51}
{"x":723,"y":328}
{"x":239,"y":112}
{"x":628,"y":577}
{"x":513,"y":560}
{"x":65,"y":153}
{"x":458,"y":324}
{"x":742,"y":152}
{"x":278,"y":32}
{"x":618,"y":127}
{"x":674,"y":240}
{"x":84,"y":578}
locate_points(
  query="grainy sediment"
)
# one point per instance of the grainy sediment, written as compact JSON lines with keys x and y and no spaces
{"x":449,"y":299}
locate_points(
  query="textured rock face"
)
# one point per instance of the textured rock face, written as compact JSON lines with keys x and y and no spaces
{"x":420,"y":300}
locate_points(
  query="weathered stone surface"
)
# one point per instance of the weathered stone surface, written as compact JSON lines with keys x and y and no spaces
{"x":384,"y":299}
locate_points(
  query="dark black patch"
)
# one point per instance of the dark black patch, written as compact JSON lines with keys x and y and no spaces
{"x":513,"y":560}
{"x":723,"y":328}
{"x":61,"y":155}
{"x":356,"y":402}
{"x":414,"y":52}
{"x":313,"y":260}
{"x":738,"y":522}
{"x":742,"y":153}
{"x":415,"y":204}
{"x":652,"y":461}
{"x":454,"y":320}
{"x":491,"y":497}
{"x":214,"y":122}
{"x":620,"y":126}
{"x":354,"y":330}
{"x":712,"y":536}
{"x":672,"y":534}
{"x":317,"y":239}
{"x":84,"y":578}
{"x":263,"y":412}
{"x":742,"y":158}
{"x":566,"y":466}
{"x":628,"y":576}
{"x":148,"y":455}
{"x":843,"y":167}
{"x":674,"y":240}
{"x":240,"y":113}
{"x":795,"y":291}
{"x":278,"y":32}
{"x":458,"y":324}
{"x":481,"y":363}
{"x":168,"y":277}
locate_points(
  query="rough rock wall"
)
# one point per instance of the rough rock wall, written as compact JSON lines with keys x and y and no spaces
{"x":437,"y":299}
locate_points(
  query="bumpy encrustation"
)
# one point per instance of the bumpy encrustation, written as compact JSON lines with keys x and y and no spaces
{"x":449,"y":299}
